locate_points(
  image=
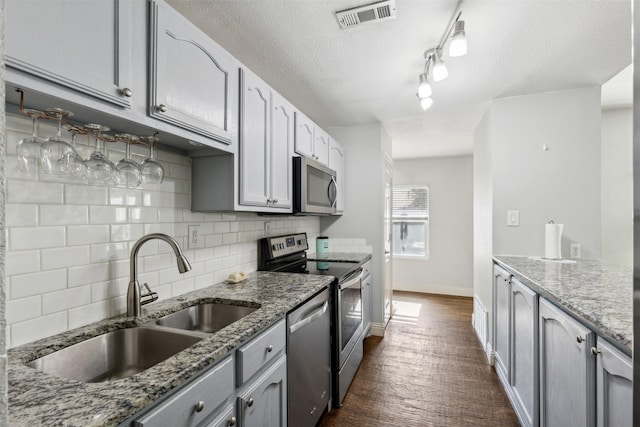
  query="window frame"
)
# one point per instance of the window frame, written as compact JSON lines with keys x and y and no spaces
{"x":424,"y":219}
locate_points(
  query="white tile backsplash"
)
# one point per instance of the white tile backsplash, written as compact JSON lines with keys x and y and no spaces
{"x":67,"y":262}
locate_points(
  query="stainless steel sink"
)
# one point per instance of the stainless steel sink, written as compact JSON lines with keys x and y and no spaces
{"x":114,"y":355}
{"x":207,"y":318}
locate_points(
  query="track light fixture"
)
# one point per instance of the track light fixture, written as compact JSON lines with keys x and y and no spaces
{"x":433,"y":58}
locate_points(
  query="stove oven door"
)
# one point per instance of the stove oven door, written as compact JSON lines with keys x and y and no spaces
{"x":349,"y":327}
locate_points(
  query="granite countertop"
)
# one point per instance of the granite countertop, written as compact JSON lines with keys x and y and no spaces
{"x":355,"y":257}
{"x":599,"y":293}
{"x":36,"y":398}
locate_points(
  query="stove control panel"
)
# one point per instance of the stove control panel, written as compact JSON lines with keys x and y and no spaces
{"x":286,"y":245}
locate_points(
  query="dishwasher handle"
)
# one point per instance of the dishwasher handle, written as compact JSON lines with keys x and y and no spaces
{"x":309,"y":319}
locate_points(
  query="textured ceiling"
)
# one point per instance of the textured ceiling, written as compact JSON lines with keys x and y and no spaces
{"x":370,"y":73}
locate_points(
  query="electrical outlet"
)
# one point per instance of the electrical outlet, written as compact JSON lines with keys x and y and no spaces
{"x":576,"y":251}
{"x":267,"y":228}
{"x":195,"y":240}
{"x":513,"y":218}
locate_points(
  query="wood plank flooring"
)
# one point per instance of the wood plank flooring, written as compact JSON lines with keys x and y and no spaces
{"x":429,"y":370}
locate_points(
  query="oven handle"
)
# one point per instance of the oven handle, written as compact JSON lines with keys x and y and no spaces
{"x":351,"y":282}
{"x":309,"y":319}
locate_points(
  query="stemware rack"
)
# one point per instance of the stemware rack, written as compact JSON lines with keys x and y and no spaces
{"x":78,"y":129}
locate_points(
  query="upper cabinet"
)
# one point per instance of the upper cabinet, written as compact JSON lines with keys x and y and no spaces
{"x":266,"y":138}
{"x":336,"y":162}
{"x":193,"y":81}
{"x":82,"y":45}
{"x":310,"y":140}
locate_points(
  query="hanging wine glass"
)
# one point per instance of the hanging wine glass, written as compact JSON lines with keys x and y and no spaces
{"x":29,"y":150}
{"x":57,"y":151}
{"x":152,"y":170}
{"x":99,"y":168}
{"x":129,"y":173}
{"x":77,"y":167}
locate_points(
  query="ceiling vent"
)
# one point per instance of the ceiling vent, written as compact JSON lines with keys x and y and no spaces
{"x":373,"y":12}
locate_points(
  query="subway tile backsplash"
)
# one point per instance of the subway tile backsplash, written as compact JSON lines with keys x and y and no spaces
{"x":68,"y":243}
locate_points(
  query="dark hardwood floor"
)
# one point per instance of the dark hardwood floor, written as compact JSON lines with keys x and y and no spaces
{"x":429,"y":370}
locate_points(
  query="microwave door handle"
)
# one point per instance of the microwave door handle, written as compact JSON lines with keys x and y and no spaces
{"x":333,"y":198}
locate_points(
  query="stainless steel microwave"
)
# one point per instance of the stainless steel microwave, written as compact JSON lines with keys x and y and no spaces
{"x":314,"y":188}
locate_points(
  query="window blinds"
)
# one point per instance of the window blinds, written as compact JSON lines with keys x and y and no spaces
{"x":411,"y":202}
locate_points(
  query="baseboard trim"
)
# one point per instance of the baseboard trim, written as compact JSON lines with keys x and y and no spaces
{"x":377,"y":329}
{"x":435,"y":289}
{"x":491,"y":357}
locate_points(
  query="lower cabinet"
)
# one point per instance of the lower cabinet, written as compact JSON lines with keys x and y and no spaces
{"x":567,"y":375}
{"x":264,"y":401}
{"x":614,"y":376}
{"x":502,"y":324}
{"x":226,"y":418}
{"x":366,"y":299}
{"x":524,"y":350}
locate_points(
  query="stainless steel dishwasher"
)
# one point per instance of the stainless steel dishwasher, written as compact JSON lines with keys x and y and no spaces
{"x":309,"y":360}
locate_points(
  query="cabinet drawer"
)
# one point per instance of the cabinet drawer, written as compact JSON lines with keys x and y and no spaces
{"x":260,"y":350}
{"x":208,"y":392}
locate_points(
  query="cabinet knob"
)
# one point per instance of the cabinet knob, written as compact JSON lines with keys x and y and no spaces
{"x":232,"y":421}
{"x":595,"y":351}
{"x":162,"y":108}
{"x":269,"y":349}
{"x":250,"y":402}
{"x":580,"y":339}
{"x":127,"y":92}
{"x":200,"y":406}
{"x":269,"y":201}
{"x":275,"y":201}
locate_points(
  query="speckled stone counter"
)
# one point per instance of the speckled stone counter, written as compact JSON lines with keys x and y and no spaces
{"x":355,"y":257}
{"x":38,"y":399}
{"x":600,"y":294}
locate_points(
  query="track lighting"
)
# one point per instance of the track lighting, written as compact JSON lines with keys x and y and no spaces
{"x":433,"y":58}
{"x":458,"y":46}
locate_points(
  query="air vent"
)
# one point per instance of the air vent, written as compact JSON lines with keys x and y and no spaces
{"x":373,"y":12}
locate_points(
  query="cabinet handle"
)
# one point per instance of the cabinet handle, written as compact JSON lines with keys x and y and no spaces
{"x":250,"y":402}
{"x":232,"y":421}
{"x":595,"y":351}
{"x":200,"y":406}
{"x":269,"y":349}
{"x":162,"y":108}
{"x":275,"y":201}
{"x":127,"y":92}
{"x":580,"y":339}
{"x":269,"y":201}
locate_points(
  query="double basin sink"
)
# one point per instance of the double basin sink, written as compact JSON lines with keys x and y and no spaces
{"x":125,"y":352}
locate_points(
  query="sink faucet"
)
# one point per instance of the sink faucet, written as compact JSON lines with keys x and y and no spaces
{"x":135,"y":298}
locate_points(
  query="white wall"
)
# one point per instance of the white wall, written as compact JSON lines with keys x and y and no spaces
{"x":483,"y":218}
{"x":67,"y":260}
{"x":449,"y":268}
{"x":364,"y":200}
{"x":617,"y":186}
{"x":561,"y":184}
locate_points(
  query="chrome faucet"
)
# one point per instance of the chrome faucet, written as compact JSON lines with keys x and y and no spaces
{"x":135,"y":298}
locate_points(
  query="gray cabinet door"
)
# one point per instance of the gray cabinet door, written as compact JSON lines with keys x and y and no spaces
{"x":193,"y":82}
{"x":567,"y":371}
{"x":524,"y":352}
{"x":366,"y":303}
{"x":282,"y":131}
{"x":501,"y":322}
{"x":255,"y":141}
{"x":82,"y":45}
{"x":615,"y":387}
{"x":264,"y":402}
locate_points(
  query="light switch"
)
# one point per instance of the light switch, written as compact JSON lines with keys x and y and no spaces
{"x":195,"y":240}
{"x":513,"y":218}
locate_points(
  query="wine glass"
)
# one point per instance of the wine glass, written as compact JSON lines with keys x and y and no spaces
{"x":129,"y":173}
{"x":152,"y":170}
{"x":99,"y":168}
{"x":77,"y":167}
{"x":57,"y":151}
{"x":29,"y":149}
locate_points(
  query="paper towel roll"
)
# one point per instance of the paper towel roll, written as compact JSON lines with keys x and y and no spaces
{"x":552,"y":241}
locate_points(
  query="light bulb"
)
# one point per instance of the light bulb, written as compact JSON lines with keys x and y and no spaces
{"x":458,"y":46}
{"x":424,"y":88}
{"x":426,"y":103}
{"x":439,"y":69}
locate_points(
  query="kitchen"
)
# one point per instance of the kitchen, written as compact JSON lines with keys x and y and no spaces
{"x":84,"y":277}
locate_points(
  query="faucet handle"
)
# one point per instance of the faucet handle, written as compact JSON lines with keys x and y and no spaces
{"x":148,"y":297}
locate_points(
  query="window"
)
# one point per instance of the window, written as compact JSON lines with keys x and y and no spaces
{"x":411,"y":221}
